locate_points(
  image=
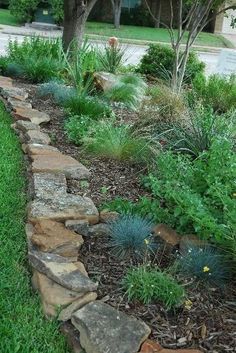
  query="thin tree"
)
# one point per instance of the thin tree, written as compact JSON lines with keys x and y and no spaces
{"x":76,"y":13}
{"x":116,"y":7}
{"x":189,"y":18}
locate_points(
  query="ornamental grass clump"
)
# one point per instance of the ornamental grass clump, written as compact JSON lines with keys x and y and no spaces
{"x":131,"y":237}
{"x":149,"y":285}
{"x":205,"y":264}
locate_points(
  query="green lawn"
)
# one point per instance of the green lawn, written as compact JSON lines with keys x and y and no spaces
{"x":150,"y":34}
{"x":23,"y":328}
{"x":7,"y":19}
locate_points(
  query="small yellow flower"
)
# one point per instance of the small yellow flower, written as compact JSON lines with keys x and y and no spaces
{"x":188,"y":304}
{"x":206,"y":269}
{"x":234,"y":194}
{"x":146,"y":241}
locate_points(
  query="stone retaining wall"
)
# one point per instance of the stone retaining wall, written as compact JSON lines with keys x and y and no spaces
{"x":57,"y":222}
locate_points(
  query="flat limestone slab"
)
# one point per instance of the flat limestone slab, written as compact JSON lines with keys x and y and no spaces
{"x":33,"y":115}
{"x":24,"y":126}
{"x":14,"y":92}
{"x":39,"y":149}
{"x":62,"y":271}
{"x":49,"y":186}
{"x":60,"y":163}
{"x":16,"y":103}
{"x":36,"y":136}
{"x":104,"y":329}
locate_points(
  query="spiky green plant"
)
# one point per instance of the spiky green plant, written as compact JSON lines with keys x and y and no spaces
{"x":131,"y":236}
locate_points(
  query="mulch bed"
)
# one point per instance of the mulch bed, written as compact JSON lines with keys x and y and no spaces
{"x":210,"y":324}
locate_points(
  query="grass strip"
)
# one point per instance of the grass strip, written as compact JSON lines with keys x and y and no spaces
{"x":23,"y":328}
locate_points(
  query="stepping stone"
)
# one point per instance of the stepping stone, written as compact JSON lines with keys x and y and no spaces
{"x":36,"y":136}
{"x":16,"y":103}
{"x":25,"y":126}
{"x":54,"y":237}
{"x":33,"y":115}
{"x":14,"y":92}
{"x":104,"y":329}
{"x":60,"y":163}
{"x":62,"y":271}
{"x":167,"y":234}
{"x":38,"y":149}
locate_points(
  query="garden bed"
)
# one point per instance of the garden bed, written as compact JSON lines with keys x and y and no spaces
{"x":209,"y":324}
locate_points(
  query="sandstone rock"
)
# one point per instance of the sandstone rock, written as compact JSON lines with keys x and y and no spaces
{"x":72,"y":336}
{"x":104,"y":329}
{"x":66,"y":313}
{"x":16,"y":103}
{"x":60,"y":163}
{"x":99,"y":229}
{"x":107,"y":216}
{"x":36,"y":136}
{"x":25,"y":126}
{"x":62,"y":271}
{"x":167,"y":234}
{"x":32,"y":115}
{"x":105,"y":80}
{"x":191,"y":240}
{"x":150,"y":346}
{"x":14,"y":92}
{"x":51,"y":236}
{"x":164,"y":350}
{"x":5,"y":82}
{"x":39,"y":149}
{"x":78,"y":226}
{"x":52,"y":202}
{"x":49,"y":186}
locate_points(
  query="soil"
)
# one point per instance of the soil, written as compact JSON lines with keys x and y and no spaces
{"x":210,"y":325}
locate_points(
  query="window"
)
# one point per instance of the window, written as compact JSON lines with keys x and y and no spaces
{"x":130,"y":4}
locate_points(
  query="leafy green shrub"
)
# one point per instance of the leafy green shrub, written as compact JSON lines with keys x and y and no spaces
{"x":90,"y":106}
{"x":199,"y":194}
{"x":204,"y":264}
{"x":131,"y":236}
{"x":128,"y":90}
{"x":77,"y":127}
{"x":216,"y":91}
{"x":57,"y":10}
{"x":119,"y":142}
{"x":111,"y":57}
{"x":23,"y":10}
{"x":40,"y":59}
{"x":148,"y":285}
{"x":159,"y":61}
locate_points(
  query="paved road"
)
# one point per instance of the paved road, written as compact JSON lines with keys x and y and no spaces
{"x":134,"y":52}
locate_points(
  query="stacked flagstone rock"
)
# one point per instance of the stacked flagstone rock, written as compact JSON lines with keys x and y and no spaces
{"x":57,"y":222}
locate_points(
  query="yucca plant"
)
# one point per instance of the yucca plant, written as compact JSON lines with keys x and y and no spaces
{"x":112,"y":56}
{"x":131,"y":237}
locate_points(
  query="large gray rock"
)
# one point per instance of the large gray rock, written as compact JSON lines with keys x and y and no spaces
{"x":53,"y":202}
{"x":105,"y":329}
{"x":16,"y":103}
{"x":24,"y":126}
{"x":14,"y":92}
{"x":62,"y":271}
{"x":39,"y":149}
{"x":35,"y":136}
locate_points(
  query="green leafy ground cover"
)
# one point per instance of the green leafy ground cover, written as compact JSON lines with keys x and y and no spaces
{"x":22,"y":325}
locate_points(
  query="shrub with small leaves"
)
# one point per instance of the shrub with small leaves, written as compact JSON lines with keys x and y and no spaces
{"x":131,"y":236}
{"x":204,"y":264}
{"x":148,"y":285}
{"x":77,"y":127}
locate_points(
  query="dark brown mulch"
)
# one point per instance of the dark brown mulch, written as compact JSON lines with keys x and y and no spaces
{"x":210,"y":324}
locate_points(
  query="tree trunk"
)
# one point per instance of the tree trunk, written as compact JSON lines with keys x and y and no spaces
{"x":76,"y":13}
{"x":116,"y":5}
{"x":158,"y":14}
